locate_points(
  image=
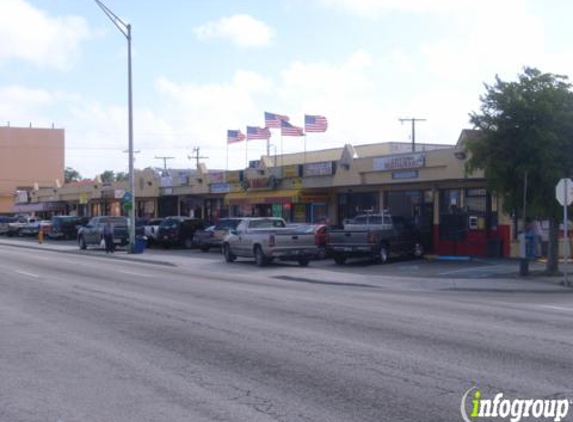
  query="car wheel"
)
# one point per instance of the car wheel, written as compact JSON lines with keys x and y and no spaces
{"x":303,"y":262}
{"x":382,"y":256}
{"x":339,"y":259}
{"x":82,"y":243}
{"x":260,"y":259}
{"x":229,"y":257}
{"x":418,"y":250}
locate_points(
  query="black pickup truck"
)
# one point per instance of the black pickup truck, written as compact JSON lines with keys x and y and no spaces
{"x":376,"y":236}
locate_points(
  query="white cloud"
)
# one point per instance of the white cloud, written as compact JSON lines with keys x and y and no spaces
{"x":30,"y":34}
{"x":374,"y":8}
{"x":242,"y":30}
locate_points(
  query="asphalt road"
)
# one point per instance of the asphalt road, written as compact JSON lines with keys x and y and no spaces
{"x":86,"y":338}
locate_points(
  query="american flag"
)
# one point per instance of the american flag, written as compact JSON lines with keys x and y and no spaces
{"x":274,"y":120}
{"x":315,"y":123}
{"x":234,"y":136}
{"x":289,"y":130}
{"x":254,"y":132}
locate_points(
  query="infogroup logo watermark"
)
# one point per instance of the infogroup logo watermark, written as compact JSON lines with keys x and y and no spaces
{"x":475,"y":407}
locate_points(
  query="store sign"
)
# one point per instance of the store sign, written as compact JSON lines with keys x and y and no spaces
{"x":118,"y":193}
{"x":318,"y":169}
{"x":401,"y":175}
{"x":166,"y":181}
{"x":218,"y":177}
{"x":234,"y":176}
{"x":108,"y":194}
{"x":397,"y":162}
{"x":290,"y":172}
{"x":219,"y":187}
{"x":83,"y":198}
{"x":259,"y":183}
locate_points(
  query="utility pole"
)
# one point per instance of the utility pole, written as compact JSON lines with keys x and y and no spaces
{"x":413,"y":120}
{"x":125,"y":29}
{"x":165,"y":161}
{"x":197,"y":156}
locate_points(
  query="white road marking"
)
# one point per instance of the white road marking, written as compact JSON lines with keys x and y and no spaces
{"x":134,"y":273}
{"x":556,"y":308}
{"x":27,"y":273}
{"x":474,"y":269}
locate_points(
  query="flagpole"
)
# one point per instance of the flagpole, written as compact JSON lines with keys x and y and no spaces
{"x":246,"y":153}
{"x":282,"y":154}
{"x":227,"y":158}
{"x":305,"y":147}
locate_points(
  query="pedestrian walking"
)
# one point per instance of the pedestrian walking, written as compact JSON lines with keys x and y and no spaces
{"x":108,"y":238}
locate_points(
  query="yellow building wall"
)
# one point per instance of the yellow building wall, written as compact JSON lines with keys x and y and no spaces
{"x":29,"y":156}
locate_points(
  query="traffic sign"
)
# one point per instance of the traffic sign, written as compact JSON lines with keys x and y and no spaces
{"x":127,"y":197}
{"x":564,"y":191}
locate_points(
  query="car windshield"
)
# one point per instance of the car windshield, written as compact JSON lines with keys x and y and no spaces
{"x":266,"y":224}
{"x":118,"y":221}
{"x":169,"y":224}
{"x":228,"y":224}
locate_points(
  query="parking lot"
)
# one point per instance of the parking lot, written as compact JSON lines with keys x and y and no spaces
{"x":475,"y":268}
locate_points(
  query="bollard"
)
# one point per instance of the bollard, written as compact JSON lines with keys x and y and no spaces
{"x":40,"y":236}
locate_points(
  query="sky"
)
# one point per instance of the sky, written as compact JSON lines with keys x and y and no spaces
{"x":201,"y":68}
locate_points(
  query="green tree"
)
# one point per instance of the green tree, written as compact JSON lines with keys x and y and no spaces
{"x":107,"y":176}
{"x":71,"y":175}
{"x":121,"y":176}
{"x":526,"y":128}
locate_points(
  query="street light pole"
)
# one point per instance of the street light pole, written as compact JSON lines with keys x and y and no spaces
{"x":125,"y":29}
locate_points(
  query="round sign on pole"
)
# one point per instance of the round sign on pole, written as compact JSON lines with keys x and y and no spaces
{"x":564,"y":191}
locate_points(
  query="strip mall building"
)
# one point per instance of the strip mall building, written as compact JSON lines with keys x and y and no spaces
{"x":453,"y":210}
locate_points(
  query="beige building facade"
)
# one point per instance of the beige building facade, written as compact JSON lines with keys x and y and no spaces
{"x":29,"y":158}
{"x":428,"y":186}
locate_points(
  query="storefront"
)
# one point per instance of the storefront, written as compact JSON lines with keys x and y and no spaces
{"x":263,"y":203}
{"x":351,"y":204}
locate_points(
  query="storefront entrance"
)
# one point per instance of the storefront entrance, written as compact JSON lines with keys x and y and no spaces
{"x":418,"y":207}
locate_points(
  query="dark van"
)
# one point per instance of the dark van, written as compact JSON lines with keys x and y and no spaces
{"x":178,"y":231}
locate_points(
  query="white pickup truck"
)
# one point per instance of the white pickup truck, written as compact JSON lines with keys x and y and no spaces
{"x":23,"y":226}
{"x":268,"y":238}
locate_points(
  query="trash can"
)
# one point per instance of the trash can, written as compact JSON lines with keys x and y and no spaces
{"x":139,"y":245}
{"x":494,"y":248}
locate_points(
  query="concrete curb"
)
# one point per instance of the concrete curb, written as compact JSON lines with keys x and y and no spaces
{"x":86,"y":253}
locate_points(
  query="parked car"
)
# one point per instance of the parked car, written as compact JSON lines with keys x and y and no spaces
{"x":22,"y":226}
{"x":375,"y":235}
{"x":66,"y":227}
{"x":151,"y":229}
{"x":178,"y":231}
{"x":213,"y":236}
{"x":5,"y":223}
{"x":266,"y":239}
{"x":92,"y":233}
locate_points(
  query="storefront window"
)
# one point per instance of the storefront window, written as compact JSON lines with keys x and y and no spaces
{"x":450,"y":201}
{"x":476,"y":201}
{"x":353,"y":203}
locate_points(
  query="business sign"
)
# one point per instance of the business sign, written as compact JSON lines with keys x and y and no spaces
{"x":218,"y":177}
{"x":408,"y":174}
{"x":219,"y":188}
{"x":398,"y":162}
{"x":166,"y":182}
{"x":83,"y":198}
{"x":119,"y":194}
{"x":259,"y":183}
{"x":318,"y":169}
{"x":290,"y":171}
{"x":234,"y":176}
